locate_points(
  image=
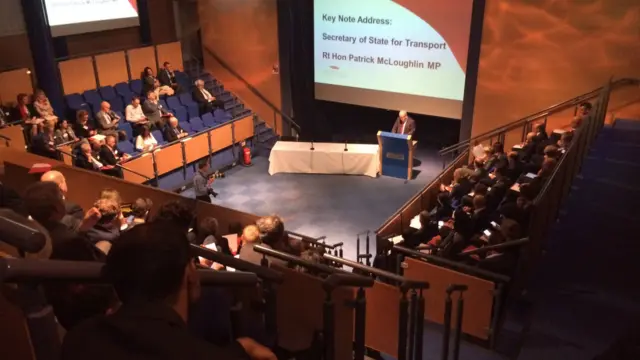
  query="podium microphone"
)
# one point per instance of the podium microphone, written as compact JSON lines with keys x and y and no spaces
{"x":312,"y":148}
{"x":345,"y":145}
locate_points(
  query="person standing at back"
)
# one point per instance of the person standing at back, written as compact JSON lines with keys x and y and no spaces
{"x":202,"y":181}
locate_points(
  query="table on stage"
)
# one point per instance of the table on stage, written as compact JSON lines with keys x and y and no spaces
{"x":327,"y":158}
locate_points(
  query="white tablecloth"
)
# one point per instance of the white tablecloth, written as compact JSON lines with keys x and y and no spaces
{"x":327,"y":158}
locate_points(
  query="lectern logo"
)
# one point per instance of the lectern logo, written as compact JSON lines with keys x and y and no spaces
{"x":395,"y":156}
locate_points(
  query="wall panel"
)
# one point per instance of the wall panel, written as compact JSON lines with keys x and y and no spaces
{"x":240,"y":47}
{"x":538,"y":53}
{"x":13,"y":83}
{"x":103,"y":41}
{"x":77,"y":75}
{"x":139,"y":59}
{"x":171,"y":52}
{"x":16,"y":52}
{"x":112,"y":68}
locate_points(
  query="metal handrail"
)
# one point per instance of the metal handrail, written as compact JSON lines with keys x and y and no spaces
{"x":252,"y":89}
{"x":536,"y":116}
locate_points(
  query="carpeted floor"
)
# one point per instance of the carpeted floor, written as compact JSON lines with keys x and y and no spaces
{"x":336,"y":206}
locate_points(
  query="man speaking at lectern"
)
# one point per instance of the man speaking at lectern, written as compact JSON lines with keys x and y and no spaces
{"x":404,"y":124}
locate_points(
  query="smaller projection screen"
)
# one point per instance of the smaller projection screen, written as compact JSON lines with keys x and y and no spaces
{"x":69,"y":17}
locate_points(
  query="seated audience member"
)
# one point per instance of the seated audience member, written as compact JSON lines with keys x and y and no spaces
{"x":72,"y":209}
{"x":64,"y":133}
{"x":565,"y":141}
{"x":83,"y":129}
{"x":108,"y":121}
{"x":497,"y":156}
{"x":207,"y":231}
{"x":273,"y":234}
{"x":583,"y":113}
{"x":135,"y":115}
{"x":529,"y":148}
{"x":443,"y":210}
{"x":139,"y":212}
{"x":175,"y":212}
{"x":145,"y":141}
{"x":428,"y":229}
{"x":85,"y":159}
{"x":502,"y":261}
{"x":43,"y":144}
{"x":251,"y":237}
{"x":499,"y":189}
{"x":460,"y":186}
{"x":205,"y":100}
{"x":154,"y":111}
{"x":514,"y":167}
{"x":25,"y":112}
{"x":43,"y":106}
{"x":173,"y":131}
{"x":107,"y":228}
{"x":111,"y":157}
{"x":151,"y":83}
{"x":481,"y":216}
{"x":480,"y":189}
{"x":458,"y":239}
{"x":152,"y":273}
{"x":546,"y":170}
{"x":168,"y":78}
{"x":551,"y":152}
{"x":541,"y":134}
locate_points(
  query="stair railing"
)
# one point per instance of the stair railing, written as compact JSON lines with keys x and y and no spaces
{"x":526,"y":123}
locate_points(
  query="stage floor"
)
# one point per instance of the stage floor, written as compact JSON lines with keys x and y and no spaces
{"x":336,"y":206}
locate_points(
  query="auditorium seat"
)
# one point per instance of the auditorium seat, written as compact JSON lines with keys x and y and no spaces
{"x":164,"y":104}
{"x":221,"y":116}
{"x":122,"y":89}
{"x":208,"y":120}
{"x":180,"y":113}
{"x":192,"y":106}
{"x":183,"y":79}
{"x":126,"y":127}
{"x":174,"y":103}
{"x":196,"y":124}
{"x":117,"y":104}
{"x":186,"y":127}
{"x":76,"y":102}
{"x":92,"y":96}
{"x":108,"y":93}
{"x":126,"y":147}
{"x":136,"y":86}
{"x":157,"y":134}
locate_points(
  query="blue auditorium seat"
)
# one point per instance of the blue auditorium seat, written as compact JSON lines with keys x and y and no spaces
{"x":92,"y":96}
{"x":126,"y":147}
{"x":180,"y":113}
{"x":122,"y":89}
{"x":126,"y":127}
{"x":192,"y":106}
{"x":174,"y":103}
{"x":107,"y":93}
{"x":183,"y":79}
{"x":196,"y":124}
{"x":164,"y":104}
{"x":221,"y":116}
{"x":157,"y":134}
{"x":208,"y":120}
{"x":136,"y":86}
{"x":95,"y":106}
{"x":117,"y":104}
{"x":186,"y":126}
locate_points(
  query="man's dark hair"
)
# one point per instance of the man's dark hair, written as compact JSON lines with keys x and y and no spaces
{"x":135,"y":97}
{"x":141,"y":207}
{"x":480,"y":189}
{"x":148,"y":262}
{"x":586,"y":105}
{"x":175,"y":212}
{"x":165,"y":63}
{"x":203,"y":163}
{"x":271,"y":229}
{"x":42,"y":199}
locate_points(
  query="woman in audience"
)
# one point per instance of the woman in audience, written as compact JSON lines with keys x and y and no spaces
{"x":443,"y":209}
{"x":25,"y":112}
{"x":64,"y":133}
{"x":460,"y":186}
{"x":43,"y":144}
{"x":145,"y":141}
{"x":151,"y":83}
{"x":139,"y":212}
{"x":43,"y":106}
{"x":82,"y":127}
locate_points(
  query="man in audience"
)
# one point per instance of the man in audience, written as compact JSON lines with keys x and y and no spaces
{"x":481,"y":217}
{"x":251,"y":237}
{"x":177,"y":213}
{"x":202,"y":182}
{"x":72,"y":209}
{"x":167,"y":77}
{"x":85,"y":158}
{"x":107,"y":229}
{"x":108,"y":121}
{"x":428,"y":229}
{"x":152,"y":273}
{"x":135,"y":115}
{"x":173,"y":131}
{"x":529,"y":148}
{"x":139,"y":212}
{"x":582,"y":115}
{"x":154,"y":111}
{"x":565,"y":141}
{"x":204,"y":98}
{"x":272,"y":233}
{"x":43,"y":144}
{"x":112,"y":157}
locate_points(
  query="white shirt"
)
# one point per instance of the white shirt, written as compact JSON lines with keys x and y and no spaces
{"x":207,"y":95}
{"x":134,"y":114}
{"x":403,"y":125}
{"x":145,"y":144}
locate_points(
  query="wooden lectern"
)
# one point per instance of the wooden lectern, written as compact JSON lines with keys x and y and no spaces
{"x":396,"y":154}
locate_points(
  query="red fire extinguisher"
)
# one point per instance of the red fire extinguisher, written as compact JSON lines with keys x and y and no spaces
{"x":246,"y":155}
